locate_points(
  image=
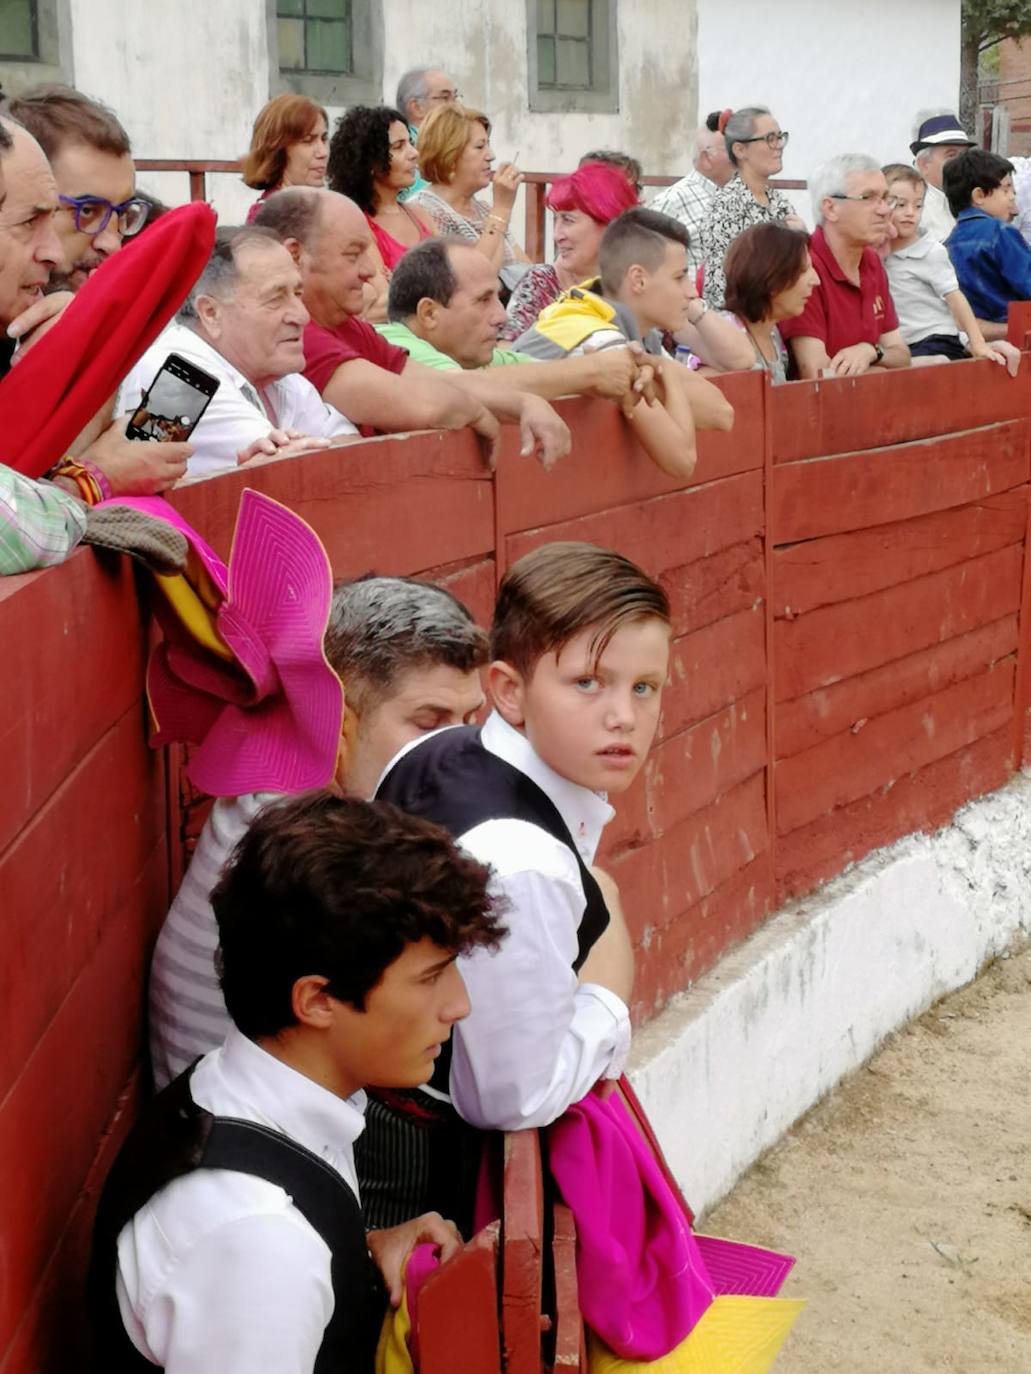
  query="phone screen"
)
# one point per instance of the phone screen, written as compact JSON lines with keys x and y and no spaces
{"x":174,"y":402}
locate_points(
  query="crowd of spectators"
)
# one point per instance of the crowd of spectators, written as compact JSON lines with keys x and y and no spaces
{"x":311,"y":951}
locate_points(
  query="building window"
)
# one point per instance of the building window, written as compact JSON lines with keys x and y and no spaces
{"x":330,"y":50}
{"x":315,"y":36}
{"x":572,"y":55}
{"x":19,"y":31}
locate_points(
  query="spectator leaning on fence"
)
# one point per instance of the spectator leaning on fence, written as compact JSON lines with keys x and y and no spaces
{"x":230,"y":1236}
{"x":932,"y":310}
{"x":992,"y":261}
{"x":689,"y":200}
{"x":937,"y":140}
{"x":755,"y":146}
{"x":582,"y":204}
{"x":243,"y":322}
{"x":849,"y":323}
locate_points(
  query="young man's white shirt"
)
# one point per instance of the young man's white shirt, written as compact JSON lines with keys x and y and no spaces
{"x":237,"y":414}
{"x":536,"y":1039}
{"x":219,"y":1273}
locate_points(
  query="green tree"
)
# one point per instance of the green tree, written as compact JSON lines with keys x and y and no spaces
{"x":985,"y":23}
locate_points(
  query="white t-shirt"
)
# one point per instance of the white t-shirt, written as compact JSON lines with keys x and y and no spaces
{"x":921,"y":275}
{"x":236,"y":415}
{"x":937,"y":218}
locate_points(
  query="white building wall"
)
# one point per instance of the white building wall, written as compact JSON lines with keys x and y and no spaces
{"x":841,"y":78}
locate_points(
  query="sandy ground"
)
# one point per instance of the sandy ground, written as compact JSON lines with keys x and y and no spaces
{"x":906,"y":1196}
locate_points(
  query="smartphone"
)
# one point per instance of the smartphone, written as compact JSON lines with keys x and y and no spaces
{"x":173,"y":403}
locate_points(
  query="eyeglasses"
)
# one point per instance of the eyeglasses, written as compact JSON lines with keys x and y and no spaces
{"x":92,"y":214}
{"x":772,"y":139}
{"x":449,"y":97}
{"x":868,"y":198}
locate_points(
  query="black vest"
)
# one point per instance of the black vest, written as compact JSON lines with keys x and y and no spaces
{"x":175,"y":1136}
{"x":454,"y":780}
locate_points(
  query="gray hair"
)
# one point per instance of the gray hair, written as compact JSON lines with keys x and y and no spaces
{"x":292,"y":214}
{"x":741,"y":126}
{"x":412,"y":86}
{"x":382,"y":627}
{"x":831,"y":178}
{"x":222,"y":272}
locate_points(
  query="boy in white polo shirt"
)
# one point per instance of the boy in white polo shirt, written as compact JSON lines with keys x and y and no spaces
{"x":932,"y":310}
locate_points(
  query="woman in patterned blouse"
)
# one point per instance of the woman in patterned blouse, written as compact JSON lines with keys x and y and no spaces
{"x":583,"y":203}
{"x":456,"y":158}
{"x":755,"y":145}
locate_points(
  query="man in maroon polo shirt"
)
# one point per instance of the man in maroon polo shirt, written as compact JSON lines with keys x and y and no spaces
{"x":849,"y":323}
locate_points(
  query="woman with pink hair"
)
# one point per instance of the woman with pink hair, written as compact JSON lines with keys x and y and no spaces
{"x":583,"y":203}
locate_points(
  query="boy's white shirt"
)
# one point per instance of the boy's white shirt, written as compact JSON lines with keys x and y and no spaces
{"x":219,"y":1273}
{"x":921,"y":275}
{"x":536,"y":1040}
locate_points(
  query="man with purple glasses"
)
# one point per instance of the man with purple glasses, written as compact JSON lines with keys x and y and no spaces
{"x":88,"y":151}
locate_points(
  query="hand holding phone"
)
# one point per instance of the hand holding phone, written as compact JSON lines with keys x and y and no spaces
{"x":173,"y":403}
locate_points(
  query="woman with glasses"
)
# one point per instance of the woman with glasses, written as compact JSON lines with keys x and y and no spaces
{"x":372,"y":160}
{"x":456,"y":158}
{"x":755,"y":145}
{"x":289,"y":147}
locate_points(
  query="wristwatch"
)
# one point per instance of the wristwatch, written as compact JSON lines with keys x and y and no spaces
{"x":701,"y":314}
{"x":878,"y":355}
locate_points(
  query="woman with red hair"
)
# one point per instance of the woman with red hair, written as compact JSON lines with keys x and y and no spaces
{"x":583,"y":203}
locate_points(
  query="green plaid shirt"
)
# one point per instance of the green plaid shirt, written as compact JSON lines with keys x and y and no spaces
{"x":39,"y":523}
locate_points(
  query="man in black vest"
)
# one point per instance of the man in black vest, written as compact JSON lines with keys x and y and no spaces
{"x":230,"y":1238}
{"x":580,"y":643}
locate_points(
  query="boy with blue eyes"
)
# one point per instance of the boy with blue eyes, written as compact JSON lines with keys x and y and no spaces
{"x":580,"y":648}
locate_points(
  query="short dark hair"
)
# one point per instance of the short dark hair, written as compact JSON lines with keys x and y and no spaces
{"x":762,"y":261}
{"x":425,"y":272}
{"x":221,"y":271}
{"x":292,"y":213}
{"x":974,"y":170}
{"x":336,"y":887}
{"x":561,"y":589}
{"x":359,"y":148}
{"x":382,"y":627}
{"x":637,"y":236}
{"x":56,"y":115}
{"x":623,"y":162}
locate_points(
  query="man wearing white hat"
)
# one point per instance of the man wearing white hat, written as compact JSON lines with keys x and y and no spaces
{"x":938,"y":138}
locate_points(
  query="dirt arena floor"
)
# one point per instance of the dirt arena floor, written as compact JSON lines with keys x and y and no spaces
{"x":906,"y":1196}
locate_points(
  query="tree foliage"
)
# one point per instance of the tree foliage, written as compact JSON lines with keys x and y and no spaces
{"x":986,"y":22}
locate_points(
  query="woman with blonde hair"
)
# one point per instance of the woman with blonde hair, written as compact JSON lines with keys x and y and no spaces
{"x":289,"y":147}
{"x":457,"y":160}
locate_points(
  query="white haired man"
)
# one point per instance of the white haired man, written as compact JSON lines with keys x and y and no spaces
{"x":689,"y":200}
{"x":420,"y":90}
{"x":849,"y":323}
{"x":938,"y":139}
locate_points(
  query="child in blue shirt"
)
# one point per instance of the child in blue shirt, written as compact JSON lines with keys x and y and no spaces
{"x":992,"y":261}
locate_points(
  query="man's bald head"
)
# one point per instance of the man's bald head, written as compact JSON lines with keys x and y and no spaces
{"x":330,"y":240}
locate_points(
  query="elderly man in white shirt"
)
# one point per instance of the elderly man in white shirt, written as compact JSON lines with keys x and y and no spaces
{"x":229,"y":1237}
{"x":939,"y":138}
{"x":689,"y":200}
{"x":243,"y":322}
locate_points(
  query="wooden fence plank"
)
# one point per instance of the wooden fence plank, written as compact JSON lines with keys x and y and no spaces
{"x":457,"y":1312}
{"x":837,"y":642}
{"x":75,"y":631}
{"x":810,"y":419}
{"x":852,"y":491}
{"x":569,"y":1326}
{"x":857,"y":762}
{"x":522,"y":1253}
{"x":817,"y":716}
{"x":715,"y":586}
{"x":923,"y":800}
{"x":105,"y":822}
{"x":819,"y":572}
{"x":715,"y":665}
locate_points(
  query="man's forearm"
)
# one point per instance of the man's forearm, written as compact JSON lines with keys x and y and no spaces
{"x":896,"y":355}
{"x":558,"y":377}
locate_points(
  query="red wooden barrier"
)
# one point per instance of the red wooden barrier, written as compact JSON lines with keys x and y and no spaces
{"x":850,"y":599}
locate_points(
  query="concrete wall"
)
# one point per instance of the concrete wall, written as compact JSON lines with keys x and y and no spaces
{"x":841,"y":78}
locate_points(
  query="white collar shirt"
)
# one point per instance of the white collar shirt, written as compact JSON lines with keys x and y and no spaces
{"x":237,"y":413}
{"x":937,"y":219}
{"x":536,"y":1039}
{"x":921,"y":275}
{"x":688,"y":200}
{"x":219,"y":1273}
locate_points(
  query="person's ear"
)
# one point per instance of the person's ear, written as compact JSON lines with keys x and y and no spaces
{"x":310,"y":1003}
{"x":978,"y":197}
{"x":210,"y":315}
{"x":636,"y":278}
{"x":346,"y":747}
{"x":427,"y":315}
{"x":829,"y":209}
{"x":507,"y":690}
{"x":293,"y":247}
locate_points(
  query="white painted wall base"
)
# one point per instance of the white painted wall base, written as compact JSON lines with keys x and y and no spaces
{"x":728,"y":1066}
